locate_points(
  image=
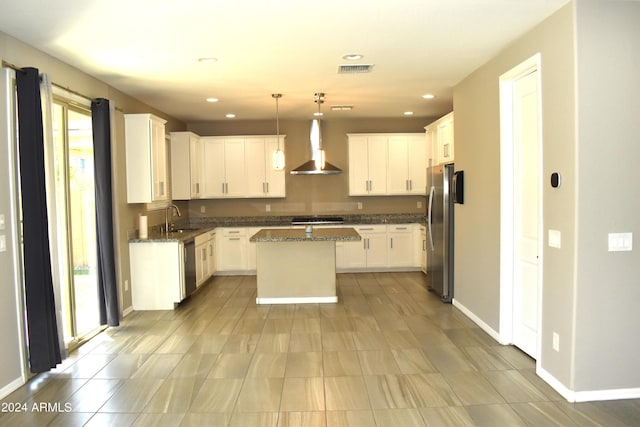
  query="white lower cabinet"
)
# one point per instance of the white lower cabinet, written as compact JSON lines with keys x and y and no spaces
{"x":202,"y":262}
{"x":401,"y":241}
{"x":205,"y":259}
{"x":231,"y":250}
{"x":370,"y":252}
{"x":382,"y":248}
{"x":157,"y":274}
{"x":212,"y":253}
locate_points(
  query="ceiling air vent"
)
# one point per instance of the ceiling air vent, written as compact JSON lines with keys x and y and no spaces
{"x":354,"y":68}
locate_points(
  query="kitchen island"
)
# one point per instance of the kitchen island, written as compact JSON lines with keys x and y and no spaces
{"x":295,"y":266}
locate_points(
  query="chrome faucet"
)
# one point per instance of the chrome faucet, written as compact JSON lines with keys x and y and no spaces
{"x":166,"y":216}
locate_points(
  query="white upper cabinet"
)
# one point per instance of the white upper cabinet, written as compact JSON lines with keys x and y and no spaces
{"x":186,"y":166}
{"x":367,"y":164}
{"x":407,"y":172}
{"x":445,"y":139}
{"x":262,"y":179}
{"x":146,"y":158}
{"x":223,"y":166}
{"x":440,"y":135}
{"x":432,"y":145}
{"x":387,"y":164}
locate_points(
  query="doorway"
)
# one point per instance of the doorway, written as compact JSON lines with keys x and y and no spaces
{"x":76,"y":246}
{"x":521,"y":207}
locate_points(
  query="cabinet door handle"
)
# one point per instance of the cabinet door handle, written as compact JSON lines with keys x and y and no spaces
{"x":234,"y":231}
{"x":401,"y":228}
{"x":366,"y":229}
{"x":392,"y":243}
{"x":210,"y":250}
{"x":406,"y":184}
{"x":267,"y":187}
{"x":234,"y":238}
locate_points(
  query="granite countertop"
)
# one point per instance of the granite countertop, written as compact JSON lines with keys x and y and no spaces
{"x":197,"y":226}
{"x":300,"y":235}
{"x":280,"y":221}
{"x":183,"y":235}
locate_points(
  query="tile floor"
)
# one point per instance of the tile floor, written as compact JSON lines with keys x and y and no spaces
{"x":388,"y":354}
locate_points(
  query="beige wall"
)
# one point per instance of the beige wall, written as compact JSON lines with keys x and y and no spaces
{"x":590,"y":109}
{"x":607,"y":355}
{"x":477,"y":133}
{"x":21,"y":55}
{"x":326,"y":194}
{"x":10,"y":356}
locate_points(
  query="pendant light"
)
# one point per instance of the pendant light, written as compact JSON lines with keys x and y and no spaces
{"x":318,"y":156}
{"x":278,"y":155}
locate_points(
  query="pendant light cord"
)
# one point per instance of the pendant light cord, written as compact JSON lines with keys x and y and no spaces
{"x":277,"y":96}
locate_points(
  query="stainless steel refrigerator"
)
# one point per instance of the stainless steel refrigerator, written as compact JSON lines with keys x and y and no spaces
{"x":440,"y":231}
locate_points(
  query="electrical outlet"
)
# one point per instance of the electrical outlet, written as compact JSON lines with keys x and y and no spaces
{"x":359,"y":205}
{"x":556,"y":341}
{"x":126,"y":284}
{"x":2,"y":222}
{"x":203,"y":209}
{"x":3,"y":243}
{"x":419,"y":205}
{"x":267,"y":207}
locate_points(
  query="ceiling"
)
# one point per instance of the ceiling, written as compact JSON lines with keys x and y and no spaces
{"x":150,"y":50}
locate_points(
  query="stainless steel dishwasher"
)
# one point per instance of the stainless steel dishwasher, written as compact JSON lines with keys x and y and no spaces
{"x":189,"y":267}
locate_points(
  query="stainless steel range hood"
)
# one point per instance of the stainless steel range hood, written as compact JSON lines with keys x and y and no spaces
{"x":317,"y":165}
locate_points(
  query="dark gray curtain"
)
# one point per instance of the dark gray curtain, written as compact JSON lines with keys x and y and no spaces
{"x":44,"y":349}
{"x":107,"y":288}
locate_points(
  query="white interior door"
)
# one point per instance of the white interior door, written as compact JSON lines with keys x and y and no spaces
{"x":526,"y":128}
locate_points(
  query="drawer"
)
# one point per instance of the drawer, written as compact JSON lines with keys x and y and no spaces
{"x":233,"y":232}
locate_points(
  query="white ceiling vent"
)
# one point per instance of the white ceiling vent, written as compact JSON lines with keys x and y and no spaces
{"x":354,"y":68}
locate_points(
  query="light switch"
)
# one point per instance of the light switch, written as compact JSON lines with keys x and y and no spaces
{"x":3,"y":243}
{"x":2,"y":222}
{"x":555,"y":239}
{"x":619,"y":242}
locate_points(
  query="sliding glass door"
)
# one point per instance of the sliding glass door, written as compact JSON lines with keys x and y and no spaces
{"x":75,"y":211}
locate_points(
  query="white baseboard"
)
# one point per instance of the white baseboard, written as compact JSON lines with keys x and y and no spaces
{"x":488,"y":329}
{"x":587,"y":395}
{"x":11,"y":387}
{"x":127,"y":311}
{"x":569,"y":395}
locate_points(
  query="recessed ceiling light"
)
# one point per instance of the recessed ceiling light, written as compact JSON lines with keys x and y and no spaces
{"x":408,"y":113}
{"x":212,"y":99}
{"x":230,"y":116}
{"x":318,"y":114}
{"x":207,"y":60}
{"x":428,"y":96}
{"x":352,"y":57}
{"x":342,"y":107}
